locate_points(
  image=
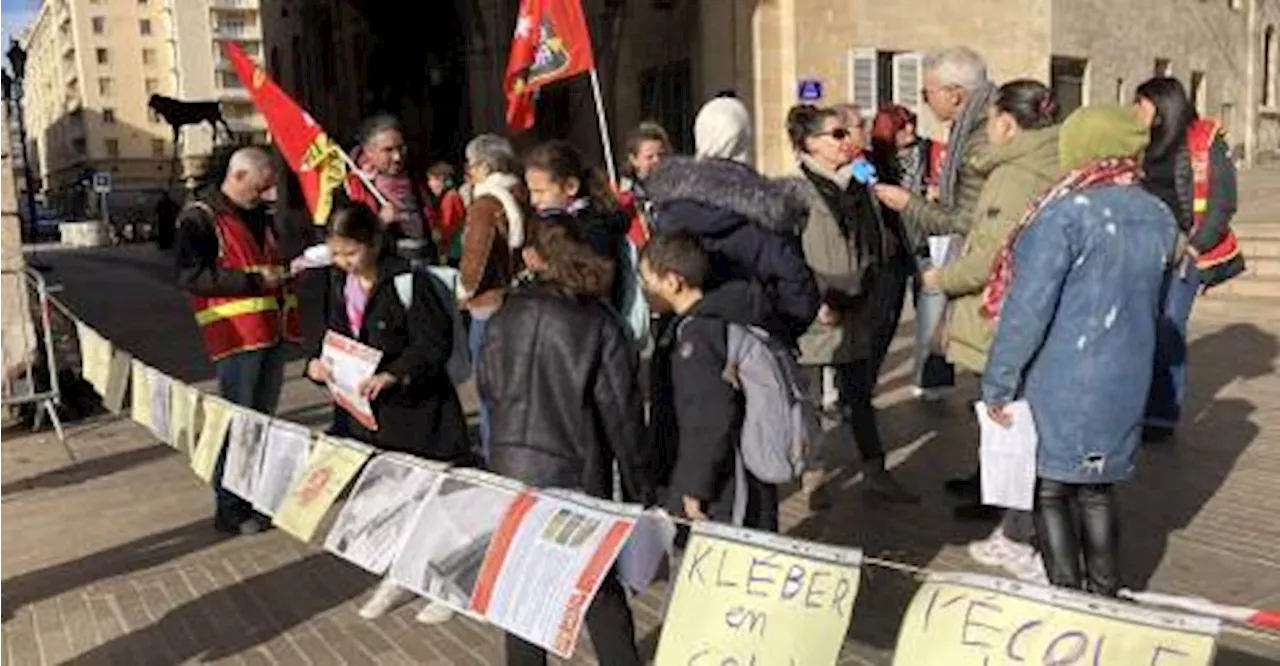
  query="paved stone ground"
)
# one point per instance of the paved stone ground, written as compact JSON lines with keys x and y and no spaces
{"x":112,"y":559}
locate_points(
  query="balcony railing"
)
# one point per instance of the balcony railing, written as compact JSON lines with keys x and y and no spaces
{"x":251,"y":5}
{"x":236,"y":31}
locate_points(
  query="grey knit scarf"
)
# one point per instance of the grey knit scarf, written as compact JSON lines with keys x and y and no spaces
{"x":974,"y":110}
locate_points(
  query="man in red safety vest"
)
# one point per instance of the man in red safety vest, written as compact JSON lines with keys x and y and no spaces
{"x":230,"y":266}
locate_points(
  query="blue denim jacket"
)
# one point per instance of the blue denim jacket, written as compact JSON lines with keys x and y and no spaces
{"x":1077,"y":329}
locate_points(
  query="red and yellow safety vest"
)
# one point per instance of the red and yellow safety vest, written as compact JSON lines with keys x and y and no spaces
{"x":233,"y":324}
{"x":1200,"y":138}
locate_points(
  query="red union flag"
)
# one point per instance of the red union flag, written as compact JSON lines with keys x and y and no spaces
{"x":551,"y":43}
{"x":305,"y":146}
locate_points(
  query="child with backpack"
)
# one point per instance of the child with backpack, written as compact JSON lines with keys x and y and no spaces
{"x":729,"y":419}
{"x":414,"y":402}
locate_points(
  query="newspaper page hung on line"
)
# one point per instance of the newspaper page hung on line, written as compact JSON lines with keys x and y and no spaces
{"x":284,"y":460}
{"x":546,"y":562}
{"x":246,"y":441}
{"x":332,"y":465}
{"x":442,"y":556}
{"x":373,"y":524}
{"x":350,"y":363}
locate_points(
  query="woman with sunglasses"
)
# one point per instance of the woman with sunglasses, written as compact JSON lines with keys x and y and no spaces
{"x":851,"y":252}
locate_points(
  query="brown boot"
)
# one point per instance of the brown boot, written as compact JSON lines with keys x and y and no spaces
{"x":881,"y":484}
{"x":812,"y":482}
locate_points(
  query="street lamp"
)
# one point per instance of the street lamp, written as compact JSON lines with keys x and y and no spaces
{"x":13,"y":93}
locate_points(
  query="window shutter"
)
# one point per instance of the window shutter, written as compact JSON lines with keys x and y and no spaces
{"x":862,"y":79}
{"x":908,"y":79}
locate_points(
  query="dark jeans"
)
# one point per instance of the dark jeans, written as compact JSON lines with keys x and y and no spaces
{"x":1079,"y":533}
{"x":251,"y":379}
{"x":608,"y":620}
{"x":858,"y":380}
{"x":475,"y":344}
{"x":1169,"y":379}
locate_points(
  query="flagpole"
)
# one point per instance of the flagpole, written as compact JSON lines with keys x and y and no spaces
{"x":382,"y":199}
{"x":604,"y":128}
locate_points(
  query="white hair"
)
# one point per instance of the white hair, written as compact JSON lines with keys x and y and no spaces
{"x":957,"y":66}
{"x":493,"y":153}
{"x":250,"y":159}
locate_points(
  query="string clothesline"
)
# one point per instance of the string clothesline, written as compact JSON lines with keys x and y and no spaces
{"x":1231,"y":625}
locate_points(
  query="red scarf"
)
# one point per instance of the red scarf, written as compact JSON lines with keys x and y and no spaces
{"x":1105,"y":173}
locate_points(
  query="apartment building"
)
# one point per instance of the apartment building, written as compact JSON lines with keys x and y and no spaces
{"x":92,"y":65}
{"x":661,"y":58}
{"x":198,"y":29}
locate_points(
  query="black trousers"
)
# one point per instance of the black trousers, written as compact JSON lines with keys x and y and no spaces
{"x":1078,"y":529}
{"x":608,"y":620}
{"x":857,"y":380}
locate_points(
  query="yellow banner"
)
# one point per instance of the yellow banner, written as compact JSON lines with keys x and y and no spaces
{"x":213,"y":436}
{"x":184,"y":417}
{"x":330,"y":467}
{"x":95,"y":357}
{"x":745,"y":597}
{"x":140,"y":390}
{"x":974,"y":620}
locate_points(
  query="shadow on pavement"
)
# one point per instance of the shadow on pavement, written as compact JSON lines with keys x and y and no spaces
{"x":244,"y":615}
{"x":88,"y":469}
{"x":1174,"y":481}
{"x":144,"y":553}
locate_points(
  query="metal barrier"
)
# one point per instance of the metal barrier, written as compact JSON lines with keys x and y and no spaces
{"x":22,"y":388}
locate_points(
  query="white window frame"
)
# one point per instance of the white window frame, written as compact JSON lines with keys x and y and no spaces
{"x":867,"y":55}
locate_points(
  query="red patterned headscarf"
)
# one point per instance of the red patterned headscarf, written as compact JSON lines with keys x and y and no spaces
{"x":1104,"y":173}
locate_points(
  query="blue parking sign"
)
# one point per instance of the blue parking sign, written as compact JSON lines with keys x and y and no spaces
{"x":809,"y":90}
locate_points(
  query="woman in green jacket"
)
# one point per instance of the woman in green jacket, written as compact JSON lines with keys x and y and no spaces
{"x":1020,"y":164}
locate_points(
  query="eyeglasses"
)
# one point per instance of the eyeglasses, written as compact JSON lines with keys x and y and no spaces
{"x":839,"y":134}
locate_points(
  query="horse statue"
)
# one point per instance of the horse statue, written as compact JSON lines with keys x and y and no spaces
{"x":179,"y":114}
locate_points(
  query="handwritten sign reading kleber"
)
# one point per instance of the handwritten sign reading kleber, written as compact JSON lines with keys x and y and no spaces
{"x":754,"y":599}
{"x":968,"y":619}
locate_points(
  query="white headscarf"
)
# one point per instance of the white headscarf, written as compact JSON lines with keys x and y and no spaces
{"x":723,"y":130}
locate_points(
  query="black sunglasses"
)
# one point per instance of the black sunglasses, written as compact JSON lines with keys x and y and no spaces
{"x":839,"y":134}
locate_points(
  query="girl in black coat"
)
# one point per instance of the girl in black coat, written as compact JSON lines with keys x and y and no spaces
{"x":560,"y":375}
{"x":414,"y":401}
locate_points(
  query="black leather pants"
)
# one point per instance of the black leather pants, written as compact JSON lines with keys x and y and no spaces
{"x":1077,"y":526}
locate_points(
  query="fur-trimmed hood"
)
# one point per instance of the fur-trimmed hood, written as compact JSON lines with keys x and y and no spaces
{"x":499,"y":186}
{"x":727,"y":185}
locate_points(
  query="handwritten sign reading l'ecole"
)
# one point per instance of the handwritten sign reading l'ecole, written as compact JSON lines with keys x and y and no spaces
{"x":746,"y":598}
{"x":968,"y":619}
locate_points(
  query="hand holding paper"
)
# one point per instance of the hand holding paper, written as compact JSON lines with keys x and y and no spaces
{"x":1008,"y":454}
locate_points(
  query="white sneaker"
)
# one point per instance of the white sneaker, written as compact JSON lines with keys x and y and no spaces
{"x":997,"y":550}
{"x":387,"y":596}
{"x":926,"y":394}
{"x":434,"y":613}
{"x":1029,"y":569}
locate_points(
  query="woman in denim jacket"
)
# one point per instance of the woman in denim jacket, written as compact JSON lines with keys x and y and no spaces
{"x":1076,"y":294}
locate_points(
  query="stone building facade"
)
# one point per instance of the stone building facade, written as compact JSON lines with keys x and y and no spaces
{"x":660,"y":59}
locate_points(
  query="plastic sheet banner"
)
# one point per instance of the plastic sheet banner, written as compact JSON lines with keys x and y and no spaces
{"x":95,"y":357}
{"x":332,"y":465}
{"x":213,"y":436}
{"x":974,"y":620}
{"x":184,"y":417}
{"x":746,"y":597}
{"x":141,"y":395}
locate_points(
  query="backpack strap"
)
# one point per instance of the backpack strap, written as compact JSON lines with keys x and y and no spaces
{"x":404,"y":289}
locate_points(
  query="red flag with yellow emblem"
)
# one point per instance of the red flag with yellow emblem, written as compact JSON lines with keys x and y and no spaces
{"x":551,"y":43}
{"x":303,"y":143}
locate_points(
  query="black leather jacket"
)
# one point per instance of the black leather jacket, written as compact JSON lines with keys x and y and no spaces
{"x":560,"y":378}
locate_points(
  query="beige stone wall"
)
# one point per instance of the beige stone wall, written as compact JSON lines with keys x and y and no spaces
{"x":797,"y":39}
{"x":13,"y":318}
{"x":1122,"y":41}
{"x":1267,"y":138}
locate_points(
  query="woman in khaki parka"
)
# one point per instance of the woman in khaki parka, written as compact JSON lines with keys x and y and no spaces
{"x":1021,"y":163}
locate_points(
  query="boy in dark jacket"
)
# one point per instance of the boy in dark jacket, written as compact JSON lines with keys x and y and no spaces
{"x":696,"y":415}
